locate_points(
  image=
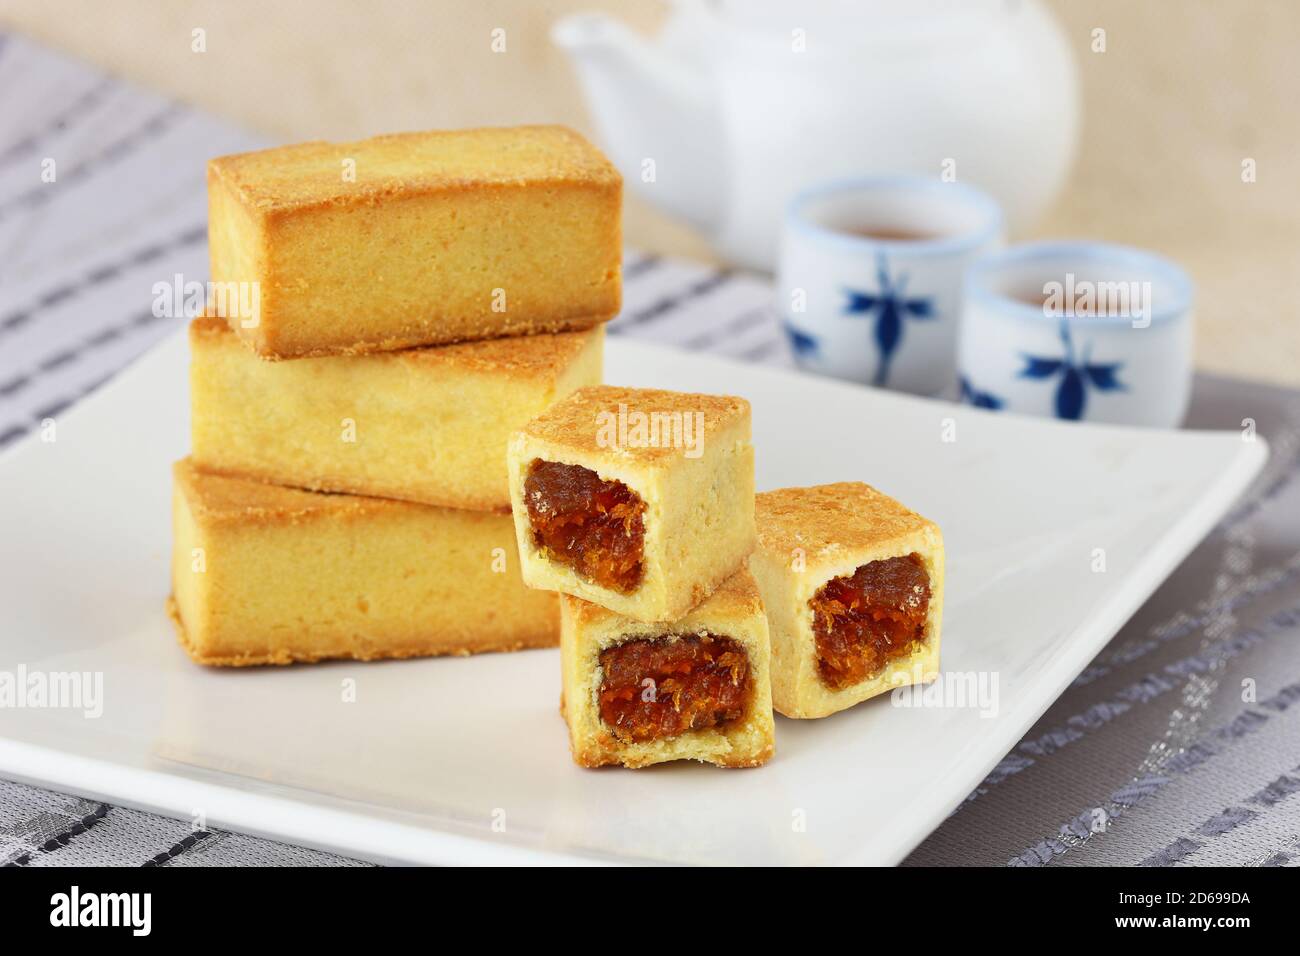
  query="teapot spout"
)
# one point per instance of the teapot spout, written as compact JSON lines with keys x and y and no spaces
{"x":656,"y":114}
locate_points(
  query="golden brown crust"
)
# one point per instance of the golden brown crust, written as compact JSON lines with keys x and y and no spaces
{"x":398,"y":494}
{"x":207,"y":327}
{"x":288,"y":178}
{"x":224,"y":495}
{"x":522,"y":356}
{"x":597,"y":755}
{"x":435,"y":648}
{"x":736,"y":597}
{"x":576,"y":422}
{"x":269,"y":347}
{"x":845,"y":515}
{"x":214,"y":497}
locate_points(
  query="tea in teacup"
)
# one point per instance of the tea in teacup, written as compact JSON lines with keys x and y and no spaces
{"x":1053,"y":304}
{"x":893,"y":234}
{"x":1090,"y":298}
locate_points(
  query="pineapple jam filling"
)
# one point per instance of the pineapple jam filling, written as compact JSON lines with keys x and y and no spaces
{"x":654,"y":688}
{"x":591,"y":525}
{"x":866,"y":619}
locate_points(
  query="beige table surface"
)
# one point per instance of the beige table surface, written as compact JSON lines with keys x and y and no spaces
{"x":1186,"y":90}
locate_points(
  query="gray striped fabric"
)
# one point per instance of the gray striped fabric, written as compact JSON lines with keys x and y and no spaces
{"x":1180,"y":744}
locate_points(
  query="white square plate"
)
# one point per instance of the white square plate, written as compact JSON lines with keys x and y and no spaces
{"x":466,"y":760}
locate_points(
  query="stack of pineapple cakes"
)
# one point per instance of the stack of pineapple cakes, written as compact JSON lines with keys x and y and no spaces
{"x":418,"y":298}
{"x":406,"y":450}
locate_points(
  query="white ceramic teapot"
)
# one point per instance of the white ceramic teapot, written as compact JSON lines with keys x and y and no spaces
{"x":740,"y":104}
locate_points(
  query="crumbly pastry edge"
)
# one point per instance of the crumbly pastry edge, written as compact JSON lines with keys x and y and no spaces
{"x":403,"y":495}
{"x":749,"y":744}
{"x":215,"y":332}
{"x":572,"y":422}
{"x":833,"y":520}
{"x":594,"y":171}
{"x":274,"y":353}
{"x":183,"y":638}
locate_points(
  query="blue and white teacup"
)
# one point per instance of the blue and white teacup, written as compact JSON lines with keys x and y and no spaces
{"x":1084,"y":331}
{"x":869,"y":285}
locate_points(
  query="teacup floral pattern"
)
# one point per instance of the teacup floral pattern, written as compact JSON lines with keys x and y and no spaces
{"x":889,"y":306}
{"x":801,"y":342}
{"x":1076,"y":373}
{"x":980,"y":399}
